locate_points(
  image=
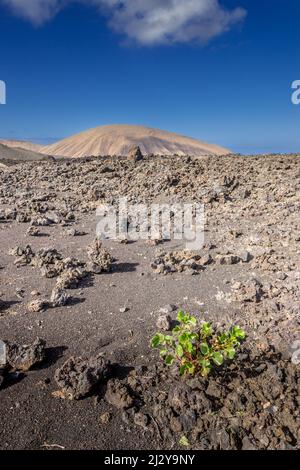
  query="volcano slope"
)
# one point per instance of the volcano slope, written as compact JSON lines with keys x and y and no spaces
{"x":22,"y":144}
{"x":13,"y":155}
{"x":117,"y":139}
{"x":248,"y":274}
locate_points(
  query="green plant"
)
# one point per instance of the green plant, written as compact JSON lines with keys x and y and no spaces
{"x":184,"y":441}
{"x":197,"y":348}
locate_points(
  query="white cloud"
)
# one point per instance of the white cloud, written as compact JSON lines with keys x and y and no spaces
{"x":147,"y":22}
{"x":37,"y":11}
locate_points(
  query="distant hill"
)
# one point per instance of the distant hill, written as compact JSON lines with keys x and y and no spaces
{"x":23,"y":144}
{"x":14,"y":155}
{"x":118,"y":139}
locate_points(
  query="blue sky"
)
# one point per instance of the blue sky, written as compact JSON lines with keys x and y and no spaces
{"x":220,"y":71}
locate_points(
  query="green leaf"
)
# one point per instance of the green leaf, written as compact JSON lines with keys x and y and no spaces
{"x":204,"y":362}
{"x":206,"y":329}
{"x":238,"y":332}
{"x":157,"y":340}
{"x":183,"y":369}
{"x":183,"y":317}
{"x":169,"y":360}
{"x":194,"y":337}
{"x":179,"y":350}
{"x":168,"y":339}
{"x":183,"y":338}
{"x":218,"y":358}
{"x":222,"y":338}
{"x":176,"y":329}
{"x":191,"y":369}
{"x":192,"y":321}
{"x":204,"y":348}
{"x":180,"y":315}
{"x":184,"y":441}
{"x":230,"y":353}
{"x":205,"y":371}
{"x":205,"y":367}
{"x":190,"y":348}
{"x":188,"y":364}
{"x":163,"y":352}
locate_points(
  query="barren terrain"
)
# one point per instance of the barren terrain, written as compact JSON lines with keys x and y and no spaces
{"x":22,"y":144}
{"x":107,"y":301}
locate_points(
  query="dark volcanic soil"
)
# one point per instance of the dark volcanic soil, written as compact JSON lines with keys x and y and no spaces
{"x":252,"y":279}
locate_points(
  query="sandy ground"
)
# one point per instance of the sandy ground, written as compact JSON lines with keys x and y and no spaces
{"x":92,"y":324}
{"x":30,"y":416}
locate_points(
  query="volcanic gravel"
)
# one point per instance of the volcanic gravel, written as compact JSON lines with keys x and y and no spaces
{"x":80,"y":313}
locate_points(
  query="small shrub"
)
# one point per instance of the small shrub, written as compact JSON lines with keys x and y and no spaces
{"x":197,"y":348}
{"x":184,"y":441}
